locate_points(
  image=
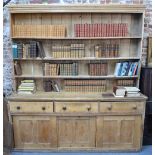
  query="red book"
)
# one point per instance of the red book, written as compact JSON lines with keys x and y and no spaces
{"x":86,"y":30}
{"x":79,"y":25}
{"x":107,"y":30}
{"x":89,"y":25}
{"x":95,"y":30}
{"x":92,"y":30}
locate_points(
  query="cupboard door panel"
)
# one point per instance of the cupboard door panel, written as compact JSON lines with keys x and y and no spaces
{"x":34,"y":131}
{"x":76,"y":131}
{"x":119,"y":132}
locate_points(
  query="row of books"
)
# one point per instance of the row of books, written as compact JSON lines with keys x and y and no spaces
{"x":27,"y":87}
{"x":126,"y":83}
{"x":126,"y":68}
{"x":39,"y":31}
{"x":69,"y":69}
{"x":51,"y":85}
{"x":30,"y":49}
{"x":101,"y":30}
{"x":107,"y":50}
{"x":50,"y":69}
{"x":72,"y":51}
{"x":97,"y":69}
{"x":85,"y":85}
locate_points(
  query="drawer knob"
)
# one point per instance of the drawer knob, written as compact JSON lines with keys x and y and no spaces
{"x":134,"y":107}
{"x":89,"y":108}
{"x":64,"y":107}
{"x":109,"y":107}
{"x":43,"y":108}
{"x":18,"y":107}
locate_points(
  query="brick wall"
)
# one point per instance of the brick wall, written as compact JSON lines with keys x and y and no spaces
{"x":7,"y":54}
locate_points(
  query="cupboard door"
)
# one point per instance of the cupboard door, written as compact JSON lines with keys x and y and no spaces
{"x":76,"y":131}
{"x":119,"y":132}
{"x":34,"y":131}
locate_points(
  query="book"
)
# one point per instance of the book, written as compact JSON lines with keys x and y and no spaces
{"x":14,"y":51}
{"x":17,"y":68}
{"x":41,"y":50}
{"x":117,"y":68}
{"x":119,"y":91}
{"x":133,"y":95}
{"x":133,"y":68}
{"x":132,"y":89}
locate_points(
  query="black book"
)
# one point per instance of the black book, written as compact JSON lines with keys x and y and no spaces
{"x":33,"y":49}
{"x":20,"y":50}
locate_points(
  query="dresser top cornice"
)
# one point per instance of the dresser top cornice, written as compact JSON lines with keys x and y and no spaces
{"x":74,"y":8}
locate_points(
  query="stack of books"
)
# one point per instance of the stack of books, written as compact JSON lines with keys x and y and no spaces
{"x":50,"y":69}
{"x":107,"y":50}
{"x":126,"y":68}
{"x":101,"y":30}
{"x":97,"y":69}
{"x":31,"y":49}
{"x":69,"y":69}
{"x":120,"y":91}
{"x":132,"y":91}
{"x":27,"y":87}
{"x":39,"y":31}
{"x":85,"y":85}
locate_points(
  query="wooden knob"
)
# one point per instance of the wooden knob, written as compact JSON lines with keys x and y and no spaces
{"x":89,"y":108}
{"x":134,"y":107}
{"x":18,"y":107}
{"x":64,"y":107}
{"x":43,"y":108}
{"x":109,"y":107}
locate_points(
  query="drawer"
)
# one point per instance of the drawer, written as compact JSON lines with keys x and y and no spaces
{"x":31,"y":107}
{"x":76,"y":107}
{"x":121,"y":107}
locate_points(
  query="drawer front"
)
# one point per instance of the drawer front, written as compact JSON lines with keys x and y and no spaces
{"x":76,"y":106}
{"x":31,"y":107}
{"x":121,"y":106}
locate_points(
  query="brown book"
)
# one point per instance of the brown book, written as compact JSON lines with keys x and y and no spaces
{"x":17,"y":68}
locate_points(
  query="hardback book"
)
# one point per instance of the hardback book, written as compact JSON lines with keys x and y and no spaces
{"x":132,"y":89}
{"x":17,"y":68}
{"x":119,"y":91}
{"x":117,"y":69}
{"x":41,"y":50}
{"x":14,"y":51}
{"x":133,"y":68}
{"x":33,"y":49}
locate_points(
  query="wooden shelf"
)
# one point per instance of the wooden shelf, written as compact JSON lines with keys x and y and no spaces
{"x":78,"y":38}
{"x":78,"y":77}
{"x":77,"y":59}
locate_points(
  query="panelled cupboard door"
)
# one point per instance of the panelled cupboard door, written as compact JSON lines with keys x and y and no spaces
{"x":34,"y":132}
{"x":119,"y":132}
{"x":76,"y":131}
